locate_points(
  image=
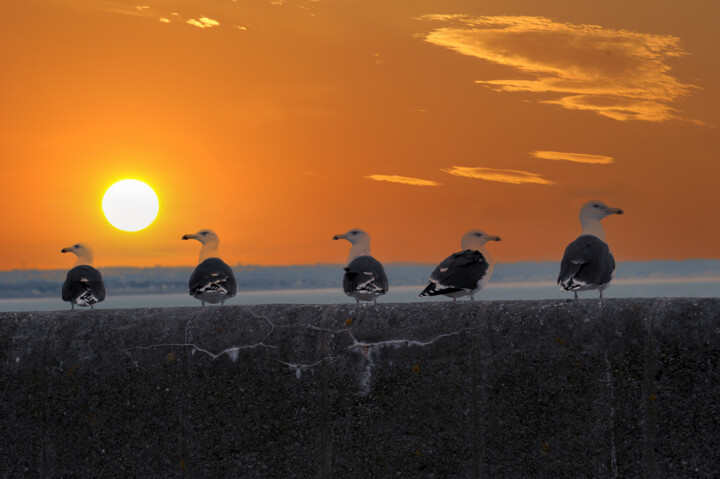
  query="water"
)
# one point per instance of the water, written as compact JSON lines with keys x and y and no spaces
{"x":695,"y":287}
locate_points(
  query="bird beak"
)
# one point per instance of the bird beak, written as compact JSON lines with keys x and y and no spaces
{"x":615,"y":211}
{"x":187,"y":237}
{"x":494,"y":238}
{"x":65,"y":250}
{"x":337,"y":237}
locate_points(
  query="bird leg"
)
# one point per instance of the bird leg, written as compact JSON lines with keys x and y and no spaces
{"x":72,"y":305}
{"x":601,"y":294}
{"x":576,"y":294}
{"x":92,"y":306}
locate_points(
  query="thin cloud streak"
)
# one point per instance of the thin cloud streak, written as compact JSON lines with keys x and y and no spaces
{"x":146,"y":11}
{"x":514,"y":177}
{"x":574,"y":157}
{"x":112,"y":7}
{"x":619,"y":74}
{"x":203,"y":22}
{"x":405,"y":180}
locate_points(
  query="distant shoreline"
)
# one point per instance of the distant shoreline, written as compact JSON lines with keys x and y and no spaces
{"x":397,"y":287}
{"x":174,"y":280}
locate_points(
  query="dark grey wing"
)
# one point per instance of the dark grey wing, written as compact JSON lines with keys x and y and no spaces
{"x":460,"y":271}
{"x":587,"y":261}
{"x":85,"y":282}
{"x":366,"y":274}
{"x":213,"y":274}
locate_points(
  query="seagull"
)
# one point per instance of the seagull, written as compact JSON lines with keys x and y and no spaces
{"x":213,"y":280}
{"x":466,"y":272}
{"x":364,"y":277}
{"x":587,"y":263}
{"x":83,"y":285}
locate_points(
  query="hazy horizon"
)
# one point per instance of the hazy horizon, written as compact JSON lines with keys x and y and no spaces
{"x":165,"y":280}
{"x":340,"y":264}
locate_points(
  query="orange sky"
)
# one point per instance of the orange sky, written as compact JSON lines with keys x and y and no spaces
{"x":281,"y":123}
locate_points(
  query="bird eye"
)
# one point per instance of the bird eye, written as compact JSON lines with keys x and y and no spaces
{"x":478,"y":234}
{"x":76,"y":246}
{"x":596,"y":206}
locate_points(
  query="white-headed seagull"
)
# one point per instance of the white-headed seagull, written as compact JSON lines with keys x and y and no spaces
{"x":466,"y":272}
{"x":364,"y":277}
{"x":83,"y":285}
{"x":213,"y":280}
{"x":587,"y":263}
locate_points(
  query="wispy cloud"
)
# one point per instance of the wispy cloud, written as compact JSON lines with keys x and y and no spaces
{"x":504,"y":176}
{"x":619,"y":74}
{"x":203,"y":22}
{"x":575,"y":157}
{"x":406,"y":180}
{"x":112,"y":6}
{"x":147,"y":11}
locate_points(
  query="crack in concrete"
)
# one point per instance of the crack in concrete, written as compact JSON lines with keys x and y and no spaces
{"x":649,"y":388}
{"x":611,"y":390}
{"x":609,"y":381}
{"x":367,"y":348}
{"x":232,"y":352}
{"x":298,"y":368}
{"x":304,"y":325}
{"x":405,"y":342}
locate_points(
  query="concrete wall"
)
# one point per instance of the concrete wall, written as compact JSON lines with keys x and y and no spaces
{"x":547,"y":389}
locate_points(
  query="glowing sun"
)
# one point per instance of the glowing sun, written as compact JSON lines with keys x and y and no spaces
{"x":130,"y":205}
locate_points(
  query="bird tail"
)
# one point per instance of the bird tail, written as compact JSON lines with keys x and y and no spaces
{"x":87,"y":298}
{"x":428,"y":291}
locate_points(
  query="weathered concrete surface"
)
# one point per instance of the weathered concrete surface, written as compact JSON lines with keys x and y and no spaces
{"x":541,"y":389}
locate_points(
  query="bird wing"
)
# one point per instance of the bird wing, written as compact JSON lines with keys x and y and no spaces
{"x":213,"y":274}
{"x":460,"y":271}
{"x":80,"y":281}
{"x":587,"y":261}
{"x":365,"y":273}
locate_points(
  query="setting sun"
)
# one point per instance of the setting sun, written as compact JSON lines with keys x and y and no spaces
{"x":130,"y":205}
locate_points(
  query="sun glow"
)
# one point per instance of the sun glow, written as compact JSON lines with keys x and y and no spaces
{"x":130,"y":205}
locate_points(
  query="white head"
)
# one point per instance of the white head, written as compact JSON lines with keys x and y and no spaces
{"x":476,"y":239}
{"x":354,"y":236}
{"x":210,"y":243}
{"x":590,"y":215}
{"x":204,"y":236}
{"x":597,"y":210}
{"x":360,"y":241}
{"x":83,"y":252}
